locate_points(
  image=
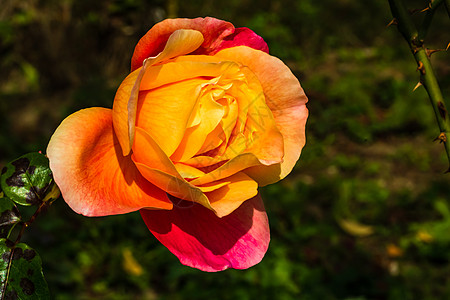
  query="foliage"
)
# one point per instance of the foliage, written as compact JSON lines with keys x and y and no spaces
{"x":21,"y":273}
{"x":369,"y":160}
{"x":26,"y":181}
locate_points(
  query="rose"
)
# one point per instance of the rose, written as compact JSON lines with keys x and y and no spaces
{"x":204,"y":118}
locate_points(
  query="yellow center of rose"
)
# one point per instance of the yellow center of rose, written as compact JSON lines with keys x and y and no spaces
{"x":203,"y":111}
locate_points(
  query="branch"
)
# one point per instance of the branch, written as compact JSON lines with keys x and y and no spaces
{"x":428,"y":17}
{"x":404,"y":21}
{"x":427,"y":76}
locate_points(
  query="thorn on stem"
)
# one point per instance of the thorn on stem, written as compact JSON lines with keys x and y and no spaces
{"x":430,"y":5}
{"x":413,"y":11}
{"x":442,"y":138}
{"x":393,"y":22}
{"x":421,"y":68}
{"x":431,"y":51}
{"x":419,"y":84}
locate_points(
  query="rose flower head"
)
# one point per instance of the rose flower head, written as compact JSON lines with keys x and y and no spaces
{"x":204,"y":118}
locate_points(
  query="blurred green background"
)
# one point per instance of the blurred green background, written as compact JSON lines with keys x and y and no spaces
{"x":364,"y":215}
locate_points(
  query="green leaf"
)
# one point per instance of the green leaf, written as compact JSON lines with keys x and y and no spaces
{"x":9,"y":216}
{"x":28,"y":179}
{"x":21,"y":274}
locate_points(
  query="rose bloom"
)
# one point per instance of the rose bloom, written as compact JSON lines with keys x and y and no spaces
{"x":204,"y":118}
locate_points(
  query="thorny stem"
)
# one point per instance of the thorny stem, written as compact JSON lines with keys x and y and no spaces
{"x":428,"y":17}
{"x":415,"y":40}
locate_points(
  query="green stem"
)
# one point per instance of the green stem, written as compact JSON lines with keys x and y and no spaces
{"x":427,"y":76}
{"x":427,"y":19}
{"x":405,"y":24}
{"x":429,"y":81}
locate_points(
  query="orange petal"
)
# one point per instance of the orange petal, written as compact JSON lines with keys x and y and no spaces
{"x":211,"y":114}
{"x":179,"y":43}
{"x":237,"y":189}
{"x":148,"y":152}
{"x":182,"y":68}
{"x":157,"y":168}
{"x":188,"y":172}
{"x":209,"y":187}
{"x":179,"y":98}
{"x":262,"y":135}
{"x":166,"y":112}
{"x":229,"y":168}
{"x":230,"y":117}
{"x":120,"y":109}
{"x":214,"y":139}
{"x":285,"y":98}
{"x":94,"y":177}
{"x":202,"y":161}
{"x":174,"y":186}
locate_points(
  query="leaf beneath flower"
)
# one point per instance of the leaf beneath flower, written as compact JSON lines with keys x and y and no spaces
{"x":21,"y":274}
{"x":9,"y":215}
{"x":28,"y":179}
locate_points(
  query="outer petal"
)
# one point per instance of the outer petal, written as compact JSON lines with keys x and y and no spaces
{"x":218,"y":35}
{"x":125,"y":91}
{"x":179,"y":43}
{"x":202,"y":240}
{"x":244,"y":37}
{"x":93,"y":176}
{"x":287,"y":101}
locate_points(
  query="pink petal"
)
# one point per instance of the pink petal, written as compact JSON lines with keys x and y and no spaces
{"x":243,"y":37}
{"x":217,"y":35}
{"x":202,"y":240}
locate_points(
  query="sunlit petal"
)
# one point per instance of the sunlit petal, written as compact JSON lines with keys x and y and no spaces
{"x":180,"y":42}
{"x":285,"y":98}
{"x":94,"y":177}
{"x":217,"y":35}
